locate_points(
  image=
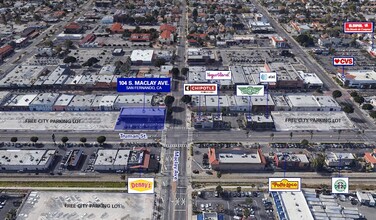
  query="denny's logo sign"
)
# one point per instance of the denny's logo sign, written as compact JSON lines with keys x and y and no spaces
{"x":140,"y":185}
{"x":284,"y":184}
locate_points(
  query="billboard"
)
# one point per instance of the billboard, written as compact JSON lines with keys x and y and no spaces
{"x":343,"y":61}
{"x":143,"y":84}
{"x":218,"y":74}
{"x":284,"y":184}
{"x":140,"y":185}
{"x":201,"y":89}
{"x":340,"y":185}
{"x":268,"y":77}
{"x":358,"y":27}
{"x":250,"y":90}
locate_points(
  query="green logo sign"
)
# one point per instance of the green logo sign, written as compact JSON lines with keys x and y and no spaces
{"x":340,"y":185}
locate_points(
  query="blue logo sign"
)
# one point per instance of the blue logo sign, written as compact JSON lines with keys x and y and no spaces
{"x":143,"y":84}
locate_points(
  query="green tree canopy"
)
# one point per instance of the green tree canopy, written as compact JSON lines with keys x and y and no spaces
{"x":336,"y":94}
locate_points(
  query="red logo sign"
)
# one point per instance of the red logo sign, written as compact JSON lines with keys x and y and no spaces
{"x":343,"y":61}
{"x":358,"y":27}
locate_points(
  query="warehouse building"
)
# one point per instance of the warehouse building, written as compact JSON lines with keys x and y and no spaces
{"x":22,"y":76}
{"x":199,"y":56}
{"x":26,"y":160}
{"x":291,"y":205}
{"x":142,"y":57}
{"x":237,"y":160}
{"x":43,"y":102}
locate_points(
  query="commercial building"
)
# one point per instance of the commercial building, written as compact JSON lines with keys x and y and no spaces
{"x":311,"y":80}
{"x":291,"y":205}
{"x":199,"y":56}
{"x":361,"y":79}
{"x":62,"y":102}
{"x":278,"y":42}
{"x":258,"y":122}
{"x":26,"y":160}
{"x":132,"y":100}
{"x":137,"y":160}
{"x":370,"y":158}
{"x":103,"y":103}
{"x":339,"y":159}
{"x":74,"y":159}
{"x":287,"y":76}
{"x":236,"y":160}
{"x":312,"y":103}
{"x":19,"y":102}
{"x":43,"y":102}
{"x":311,"y":121}
{"x":142,"y":57}
{"x":291,"y":161}
{"x":4,"y":96}
{"x":141,"y":118}
{"x":22,"y":76}
{"x":211,"y":121}
{"x":81,"y":103}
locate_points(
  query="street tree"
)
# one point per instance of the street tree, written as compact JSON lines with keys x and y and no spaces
{"x":186,"y":99}
{"x":372,"y":114}
{"x":336,"y":94}
{"x":68,"y":44}
{"x":219,"y":174}
{"x":184,"y":71}
{"x":83,"y":140}
{"x":195,"y":14}
{"x":249,"y":201}
{"x":70,"y":59}
{"x":219,"y":189}
{"x":348,"y":109}
{"x":101,"y":139}
{"x":64,"y":140}
{"x":175,"y":72}
{"x":304,"y":142}
{"x":169,"y":100}
{"x":238,"y":189}
{"x":354,"y":94}
{"x":159,"y":62}
{"x":34,"y":139}
{"x":359,"y":99}
{"x":14,"y":139}
{"x":367,"y":106}
{"x":272,"y":136}
{"x":318,"y":162}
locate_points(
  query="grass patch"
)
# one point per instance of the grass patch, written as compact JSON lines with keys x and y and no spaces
{"x":84,"y":184}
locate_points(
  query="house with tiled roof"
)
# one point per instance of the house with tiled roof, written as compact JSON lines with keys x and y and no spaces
{"x":166,"y":37}
{"x":5,"y":51}
{"x":167,"y":27}
{"x":73,"y":28}
{"x":370,"y":158}
{"x":116,"y":28}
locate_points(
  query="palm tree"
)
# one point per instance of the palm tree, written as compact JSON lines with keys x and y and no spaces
{"x":272,"y":136}
{"x":83,"y":140}
{"x":64,"y":140}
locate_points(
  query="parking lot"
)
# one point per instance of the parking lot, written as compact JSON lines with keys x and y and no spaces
{"x":9,"y":203}
{"x":234,"y":203}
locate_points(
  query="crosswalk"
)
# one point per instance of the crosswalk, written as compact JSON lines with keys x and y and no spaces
{"x":176,"y":145}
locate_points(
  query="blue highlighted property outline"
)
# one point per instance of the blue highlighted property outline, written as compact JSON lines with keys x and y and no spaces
{"x":140,"y":118}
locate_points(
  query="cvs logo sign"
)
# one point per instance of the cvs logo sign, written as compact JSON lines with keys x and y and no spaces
{"x":343,"y":61}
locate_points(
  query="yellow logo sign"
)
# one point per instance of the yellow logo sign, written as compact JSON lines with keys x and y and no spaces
{"x":284,"y":184}
{"x":141,"y":185}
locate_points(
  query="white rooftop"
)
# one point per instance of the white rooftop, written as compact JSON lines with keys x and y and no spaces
{"x":245,"y":158}
{"x":295,"y":205}
{"x":21,"y":100}
{"x":310,"y":78}
{"x":361,"y":75}
{"x":25,"y":157}
{"x":142,"y":55}
{"x":64,"y":100}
